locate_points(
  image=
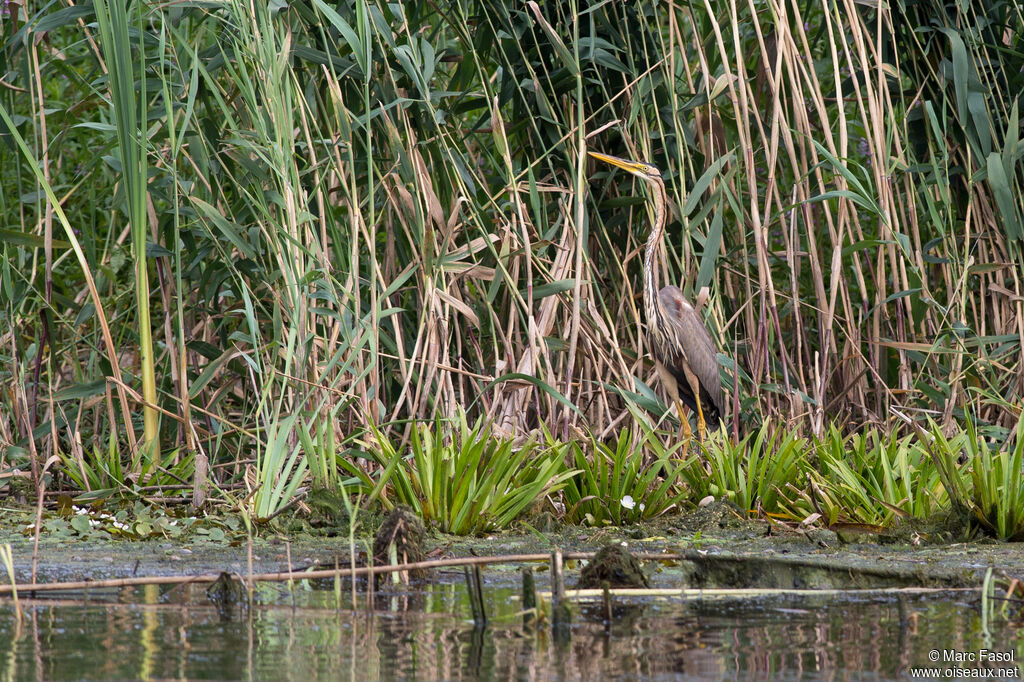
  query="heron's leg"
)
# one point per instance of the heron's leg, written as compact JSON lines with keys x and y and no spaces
{"x":684,"y":424}
{"x":688,"y":436}
{"x":695,"y":390}
{"x":702,"y":426}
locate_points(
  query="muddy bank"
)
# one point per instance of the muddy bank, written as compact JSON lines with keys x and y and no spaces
{"x":749,"y":554}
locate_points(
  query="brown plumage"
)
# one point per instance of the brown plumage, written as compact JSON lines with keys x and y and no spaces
{"x":683,"y":350}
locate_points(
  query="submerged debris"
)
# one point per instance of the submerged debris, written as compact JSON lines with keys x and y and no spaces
{"x":400,"y":541}
{"x":228,"y":594}
{"x":615,"y":566}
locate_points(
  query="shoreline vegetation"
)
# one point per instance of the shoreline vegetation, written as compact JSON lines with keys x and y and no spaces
{"x":356,"y":253}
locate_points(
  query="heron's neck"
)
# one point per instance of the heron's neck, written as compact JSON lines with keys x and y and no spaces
{"x":651,"y":256}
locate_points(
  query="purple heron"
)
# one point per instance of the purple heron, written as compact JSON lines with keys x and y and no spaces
{"x":683,"y":350}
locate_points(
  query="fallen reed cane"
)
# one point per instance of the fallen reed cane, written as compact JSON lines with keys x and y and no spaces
{"x":281,"y":576}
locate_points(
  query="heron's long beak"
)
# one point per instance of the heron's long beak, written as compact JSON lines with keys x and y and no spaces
{"x":624,"y":164}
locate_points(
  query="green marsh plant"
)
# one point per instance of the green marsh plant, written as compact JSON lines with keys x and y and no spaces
{"x":875,"y":478}
{"x":616,"y":484}
{"x":107,"y":473}
{"x":995,"y":485}
{"x":463,"y":480}
{"x":758,"y":474}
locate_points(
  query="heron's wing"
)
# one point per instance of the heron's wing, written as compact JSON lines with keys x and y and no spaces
{"x":695,"y":343}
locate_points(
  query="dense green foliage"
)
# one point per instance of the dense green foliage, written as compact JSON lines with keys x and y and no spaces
{"x":470,"y":483}
{"x":615,"y":485}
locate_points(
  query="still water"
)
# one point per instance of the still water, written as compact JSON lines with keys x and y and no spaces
{"x":312,"y":633}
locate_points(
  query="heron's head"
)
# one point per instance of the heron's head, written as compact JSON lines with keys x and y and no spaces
{"x":642,"y":170}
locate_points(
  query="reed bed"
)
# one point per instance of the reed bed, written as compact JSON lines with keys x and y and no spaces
{"x":238,"y":238}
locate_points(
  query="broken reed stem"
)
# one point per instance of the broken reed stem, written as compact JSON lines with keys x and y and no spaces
{"x":472,"y":595}
{"x":371,"y":583}
{"x":478,"y":585}
{"x":606,"y":596}
{"x":337,"y":588}
{"x":7,"y":558}
{"x":529,"y":597}
{"x":476,"y":595}
{"x":561,"y":616}
{"x":557,"y":578}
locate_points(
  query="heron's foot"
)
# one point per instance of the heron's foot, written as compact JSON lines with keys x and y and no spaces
{"x":684,"y":423}
{"x":702,"y":426}
{"x":702,"y":429}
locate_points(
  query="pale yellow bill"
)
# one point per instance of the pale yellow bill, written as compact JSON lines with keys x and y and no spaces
{"x":624,"y":164}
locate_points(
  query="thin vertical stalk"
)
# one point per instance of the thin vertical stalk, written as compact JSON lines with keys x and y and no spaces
{"x":129,"y":107}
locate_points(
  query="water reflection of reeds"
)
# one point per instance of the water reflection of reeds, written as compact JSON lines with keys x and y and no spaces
{"x":427,"y":634}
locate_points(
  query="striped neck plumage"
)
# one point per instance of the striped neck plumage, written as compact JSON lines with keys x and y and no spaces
{"x":651,"y":303}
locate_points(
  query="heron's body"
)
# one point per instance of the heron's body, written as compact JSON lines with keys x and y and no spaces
{"x":700,"y":357}
{"x":683,"y":350}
